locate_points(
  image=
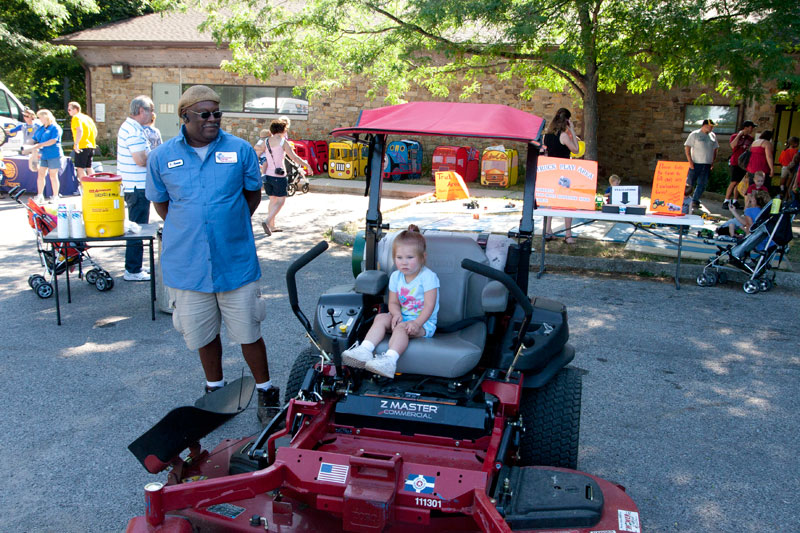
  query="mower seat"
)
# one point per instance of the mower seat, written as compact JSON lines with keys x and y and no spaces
{"x":462,"y":294}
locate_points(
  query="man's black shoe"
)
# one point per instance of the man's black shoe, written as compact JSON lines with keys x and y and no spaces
{"x":269,"y":404}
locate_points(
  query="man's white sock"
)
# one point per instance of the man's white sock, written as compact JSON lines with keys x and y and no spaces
{"x":264,"y":386}
{"x":215,"y":384}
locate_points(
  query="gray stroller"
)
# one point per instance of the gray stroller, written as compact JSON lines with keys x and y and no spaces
{"x":769,"y":240}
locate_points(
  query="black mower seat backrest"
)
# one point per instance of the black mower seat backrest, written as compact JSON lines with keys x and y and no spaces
{"x":454,"y":354}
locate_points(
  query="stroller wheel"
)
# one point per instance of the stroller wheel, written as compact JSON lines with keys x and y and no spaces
{"x":764,"y":285}
{"x":291,"y":189}
{"x":35,"y":280}
{"x":305,"y":188}
{"x":44,"y":290}
{"x":109,"y":281}
{"x":91,"y":276}
{"x":751,"y":287}
{"x":723,"y":278}
{"x":702,"y":280}
{"x":101,"y":283}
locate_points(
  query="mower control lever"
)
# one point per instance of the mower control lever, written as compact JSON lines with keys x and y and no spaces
{"x":291,"y":284}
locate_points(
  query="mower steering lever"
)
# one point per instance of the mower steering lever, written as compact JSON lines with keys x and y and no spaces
{"x":291,"y":283}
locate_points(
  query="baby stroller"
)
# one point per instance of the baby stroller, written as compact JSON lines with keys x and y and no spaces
{"x":43,"y":223}
{"x":769,"y":237}
{"x":295,"y":180}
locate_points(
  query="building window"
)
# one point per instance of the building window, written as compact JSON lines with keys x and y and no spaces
{"x":259,"y":99}
{"x":725,"y":117}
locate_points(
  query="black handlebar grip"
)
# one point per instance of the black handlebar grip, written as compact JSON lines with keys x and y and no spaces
{"x":502,"y":277}
{"x":299,"y":263}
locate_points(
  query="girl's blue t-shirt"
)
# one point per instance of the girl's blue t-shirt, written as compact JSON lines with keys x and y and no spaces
{"x":412,"y":295}
{"x":44,"y":134}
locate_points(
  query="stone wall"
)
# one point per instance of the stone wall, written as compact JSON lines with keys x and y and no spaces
{"x":637,"y":130}
{"x":338,"y":109}
{"x":640,"y":129}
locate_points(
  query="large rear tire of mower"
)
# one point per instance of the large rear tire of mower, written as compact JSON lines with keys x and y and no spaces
{"x":304,"y":360}
{"x":552,"y":418}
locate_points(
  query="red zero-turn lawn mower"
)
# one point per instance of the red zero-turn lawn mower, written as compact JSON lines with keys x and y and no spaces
{"x":478,"y":431}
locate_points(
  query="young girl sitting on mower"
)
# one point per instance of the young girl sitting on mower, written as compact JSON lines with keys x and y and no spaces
{"x":413,"y":306}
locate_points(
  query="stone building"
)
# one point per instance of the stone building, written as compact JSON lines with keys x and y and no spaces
{"x":158,"y":55}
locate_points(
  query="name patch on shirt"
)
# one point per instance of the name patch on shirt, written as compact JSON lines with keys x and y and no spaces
{"x":226,"y":157}
{"x":176,"y":163}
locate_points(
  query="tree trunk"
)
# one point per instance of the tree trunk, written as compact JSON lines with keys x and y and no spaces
{"x":591,"y":117}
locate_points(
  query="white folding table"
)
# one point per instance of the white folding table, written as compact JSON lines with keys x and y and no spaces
{"x":637,"y":221}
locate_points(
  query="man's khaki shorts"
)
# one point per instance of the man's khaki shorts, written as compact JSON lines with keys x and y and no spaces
{"x":198,"y":316}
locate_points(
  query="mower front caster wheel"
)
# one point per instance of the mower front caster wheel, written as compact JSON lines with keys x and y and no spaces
{"x":44,"y":290}
{"x":552,"y":416}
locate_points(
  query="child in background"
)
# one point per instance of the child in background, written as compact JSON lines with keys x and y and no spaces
{"x":753,"y":204}
{"x":413,"y":306}
{"x":686,"y":208}
{"x":785,"y":159}
{"x":613,"y":181}
{"x":758,"y":184}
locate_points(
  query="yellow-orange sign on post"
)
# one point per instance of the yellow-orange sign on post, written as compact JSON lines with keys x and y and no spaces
{"x":566,"y":183}
{"x":450,"y":186}
{"x":669,"y":184}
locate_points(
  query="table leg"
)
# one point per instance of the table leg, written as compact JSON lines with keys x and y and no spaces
{"x":152,"y":282}
{"x":678,"y":266}
{"x":55,"y":285}
{"x":544,"y":241}
{"x":66,"y":264}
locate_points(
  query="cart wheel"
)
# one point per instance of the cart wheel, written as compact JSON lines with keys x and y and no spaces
{"x":305,"y":188}
{"x":764,"y":285}
{"x":552,"y":417}
{"x":702,"y":280}
{"x":101,"y":283}
{"x":91,"y":276}
{"x":750,"y":286}
{"x":44,"y":290}
{"x":324,"y":167}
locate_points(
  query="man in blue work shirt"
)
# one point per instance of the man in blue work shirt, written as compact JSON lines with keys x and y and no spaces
{"x":206,"y":185}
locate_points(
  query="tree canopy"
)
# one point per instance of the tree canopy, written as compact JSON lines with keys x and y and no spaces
{"x":586,"y":46}
{"x":33,"y":67}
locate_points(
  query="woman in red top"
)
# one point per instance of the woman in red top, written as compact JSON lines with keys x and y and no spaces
{"x":785,"y":159}
{"x":739,"y":143}
{"x":761,"y":155}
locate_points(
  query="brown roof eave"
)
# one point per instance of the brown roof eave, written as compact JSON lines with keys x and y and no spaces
{"x":142,"y":44}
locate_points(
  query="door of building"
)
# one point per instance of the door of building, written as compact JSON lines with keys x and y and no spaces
{"x":787,"y":124}
{"x":165,"y":98}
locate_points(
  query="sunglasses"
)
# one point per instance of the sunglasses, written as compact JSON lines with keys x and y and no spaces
{"x":205,"y":115}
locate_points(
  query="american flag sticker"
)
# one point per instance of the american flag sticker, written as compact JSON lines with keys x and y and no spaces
{"x":333,"y":473}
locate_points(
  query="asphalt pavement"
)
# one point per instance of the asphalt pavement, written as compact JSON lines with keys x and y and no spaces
{"x":689,"y":396}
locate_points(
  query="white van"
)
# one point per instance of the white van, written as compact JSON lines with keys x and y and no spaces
{"x":10,"y":114}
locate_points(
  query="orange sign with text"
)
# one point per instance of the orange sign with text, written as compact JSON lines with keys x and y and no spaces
{"x":669,"y":184}
{"x":566,"y":183}
{"x":450,"y":186}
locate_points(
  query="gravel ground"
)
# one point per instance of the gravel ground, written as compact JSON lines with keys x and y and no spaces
{"x":687,"y":401}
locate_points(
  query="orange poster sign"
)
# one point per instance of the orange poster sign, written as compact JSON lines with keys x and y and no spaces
{"x":450,"y":186}
{"x":669,"y":184}
{"x":566,"y":183}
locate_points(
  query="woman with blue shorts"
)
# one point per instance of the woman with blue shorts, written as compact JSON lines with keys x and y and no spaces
{"x":48,"y":143}
{"x":274,"y":171}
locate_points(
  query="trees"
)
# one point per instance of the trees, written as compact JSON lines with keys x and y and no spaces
{"x":38,"y":71}
{"x":587,"y":46}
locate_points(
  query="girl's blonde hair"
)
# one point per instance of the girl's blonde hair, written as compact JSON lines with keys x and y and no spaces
{"x":46,"y":114}
{"x":413,"y":237}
